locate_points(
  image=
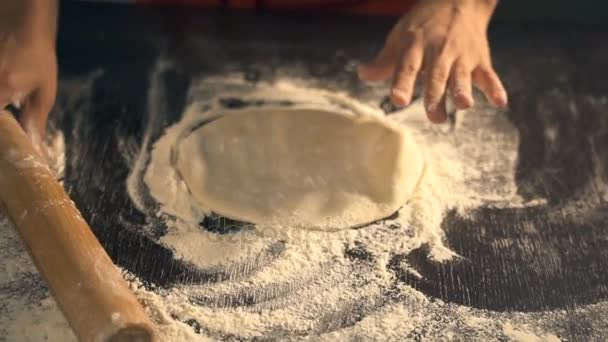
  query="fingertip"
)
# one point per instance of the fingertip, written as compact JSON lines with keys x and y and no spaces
{"x":490,"y":84}
{"x":463,"y":101}
{"x":437,"y":117}
{"x":497,"y":99}
{"x":436,"y":114}
{"x":436,"y":109}
{"x":400,"y":98}
{"x":500,"y":99}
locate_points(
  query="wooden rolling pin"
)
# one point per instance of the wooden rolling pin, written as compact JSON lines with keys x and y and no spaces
{"x":89,"y":289}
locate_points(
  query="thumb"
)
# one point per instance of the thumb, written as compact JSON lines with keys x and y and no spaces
{"x":16,"y":83}
{"x":380,"y":69}
{"x":384,"y":64}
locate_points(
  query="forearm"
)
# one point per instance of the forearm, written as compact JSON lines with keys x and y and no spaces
{"x":42,"y":14}
{"x":30,"y":19}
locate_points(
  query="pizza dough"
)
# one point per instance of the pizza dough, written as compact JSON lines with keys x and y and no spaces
{"x":304,"y":168}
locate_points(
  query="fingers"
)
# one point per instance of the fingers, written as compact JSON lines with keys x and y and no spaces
{"x":461,"y":88}
{"x":449,"y":62}
{"x":407,"y":72}
{"x":486,"y":79}
{"x":378,"y":70}
{"x":435,"y":86}
{"x":7,"y":94}
{"x":28,"y":74}
{"x":14,"y":85}
{"x":438,"y":114}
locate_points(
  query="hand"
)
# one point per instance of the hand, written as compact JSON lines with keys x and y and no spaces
{"x":444,"y":44}
{"x":28,"y":67}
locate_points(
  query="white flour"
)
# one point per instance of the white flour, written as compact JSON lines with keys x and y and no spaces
{"x":317,"y":277}
{"x":452,"y":180}
{"x":523,"y":335}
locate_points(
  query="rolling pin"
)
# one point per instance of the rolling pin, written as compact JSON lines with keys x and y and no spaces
{"x":90,"y":291}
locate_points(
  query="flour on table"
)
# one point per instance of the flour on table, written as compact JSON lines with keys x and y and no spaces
{"x":314,"y":284}
{"x":448,"y":180}
{"x":317,"y":278}
{"x":523,"y":335}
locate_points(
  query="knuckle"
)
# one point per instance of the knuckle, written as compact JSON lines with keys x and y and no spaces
{"x":407,"y":69}
{"x":438,"y":75}
{"x":402,"y":83}
{"x":411,"y":35}
{"x":459,"y":82}
{"x":414,"y":34}
{"x":462,"y":73}
{"x":434,"y":91}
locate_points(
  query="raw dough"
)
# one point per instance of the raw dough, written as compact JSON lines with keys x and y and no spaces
{"x":303,"y":168}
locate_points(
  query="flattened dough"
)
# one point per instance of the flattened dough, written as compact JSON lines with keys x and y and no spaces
{"x":302,"y":168}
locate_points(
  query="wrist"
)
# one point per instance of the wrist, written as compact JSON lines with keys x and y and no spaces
{"x":481,"y":10}
{"x":487,"y":5}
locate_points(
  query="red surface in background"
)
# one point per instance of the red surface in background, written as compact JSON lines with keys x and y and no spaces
{"x":387,"y":7}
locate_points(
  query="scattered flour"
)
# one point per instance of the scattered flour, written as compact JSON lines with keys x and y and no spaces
{"x":39,"y":322}
{"x":524,"y":335}
{"x":313,"y":270}
{"x":451,"y":178}
{"x":312,"y":284}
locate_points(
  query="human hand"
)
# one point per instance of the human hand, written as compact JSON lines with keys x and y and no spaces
{"x":444,"y":44}
{"x":28,"y":67}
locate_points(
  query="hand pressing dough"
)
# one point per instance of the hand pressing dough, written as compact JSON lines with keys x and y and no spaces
{"x":302,"y":168}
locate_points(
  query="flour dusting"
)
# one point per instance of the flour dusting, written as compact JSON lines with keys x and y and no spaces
{"x":523,"y":335}
{"x":293,"y":284}
{"x":311,"y":282}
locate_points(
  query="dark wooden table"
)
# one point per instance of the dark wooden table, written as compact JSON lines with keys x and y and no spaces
{"x":557,"y":254}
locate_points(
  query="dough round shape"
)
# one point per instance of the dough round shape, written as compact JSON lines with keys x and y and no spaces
{"x":303,"y":168}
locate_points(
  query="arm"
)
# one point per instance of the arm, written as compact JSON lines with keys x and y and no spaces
{"x":444,"y":44}
{"x":28,"y":68}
